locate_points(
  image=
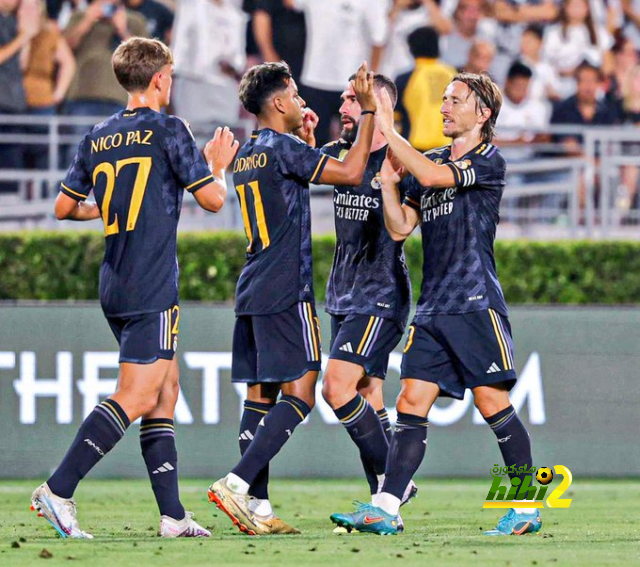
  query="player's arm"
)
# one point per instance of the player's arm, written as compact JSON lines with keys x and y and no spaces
{"x":70,"y":202}
{"x":422,"y":168}
{"x":351,"y":170}
{"x":400,"y":219}
{"x":219,"y":153}
{"x":67,"y":208}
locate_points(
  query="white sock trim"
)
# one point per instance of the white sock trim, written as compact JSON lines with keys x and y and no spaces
{"x":523,"y":510}
{"x":235,"y":483}
{"x":388,"y":502}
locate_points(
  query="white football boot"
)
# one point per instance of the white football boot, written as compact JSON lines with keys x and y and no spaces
{"x":187,"y":527}
{"x":59,"y":512}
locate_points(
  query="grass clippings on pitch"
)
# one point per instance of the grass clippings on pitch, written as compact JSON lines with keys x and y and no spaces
{"x":444,"y":526}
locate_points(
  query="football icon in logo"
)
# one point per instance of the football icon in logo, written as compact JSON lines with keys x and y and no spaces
{"x":544,"y":475}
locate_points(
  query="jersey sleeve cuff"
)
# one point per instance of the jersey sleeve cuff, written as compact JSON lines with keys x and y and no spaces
{"x":463,"y":177}
{"x":411,"y":203}
{"x":75,"y":195}
{"x":199,"y":184}
{"x":317,"y":174}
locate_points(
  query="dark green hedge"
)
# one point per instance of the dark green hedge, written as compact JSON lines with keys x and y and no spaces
{"x":61,"y":266}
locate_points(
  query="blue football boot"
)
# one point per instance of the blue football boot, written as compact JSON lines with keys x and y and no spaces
{"x":517,"y":524}
{"x":367,"y":518}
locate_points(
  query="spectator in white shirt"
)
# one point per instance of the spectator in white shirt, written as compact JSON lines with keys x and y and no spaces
{"x":522,"y":118}
{"x":405,"y":17}
{"x":575,"y":38}
{"x":340,"y":35}
{"x":521,"y":122}
{"x":545,"y":79}
{"x":209,"y":56}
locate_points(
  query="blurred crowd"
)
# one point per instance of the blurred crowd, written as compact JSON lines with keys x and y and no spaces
{"x":571,"y":62}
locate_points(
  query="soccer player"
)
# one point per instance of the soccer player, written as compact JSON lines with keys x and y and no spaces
{"x":368,"y":298}
{"x":138,"y":162}
{"x":460,"y":337}
{"x":276,"y":343}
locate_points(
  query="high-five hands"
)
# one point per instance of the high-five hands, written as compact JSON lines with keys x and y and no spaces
{"x":384,"y":115}
{"x":363,"y":87}
{"x":221,"y":149}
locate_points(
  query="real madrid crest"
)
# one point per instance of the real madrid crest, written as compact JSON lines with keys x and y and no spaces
{"x":375,"y":182}
{"x":463,"y":164}
{"x":438,"y":161}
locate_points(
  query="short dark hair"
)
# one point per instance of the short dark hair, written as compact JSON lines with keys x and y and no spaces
{"x":535,"y":30}
{"x":423,"y":42}
{"x":586,"y":66}
{"x":260,"y":82}
{"x":381,"y":81}
{"x":137,"y":60}
{"x":519,"y":70}
{"x":488,"y":95}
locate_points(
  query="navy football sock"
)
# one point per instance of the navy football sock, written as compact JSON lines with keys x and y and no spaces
{"x":276,"y":428}
{"x":158,"y":444}
{"x":363,"y":425}
{"x":405,"y":453}
{"x":97,"y":435}
{"x":252,"y":415}
{"x":386,"y":424}
{"x":513,"y":439}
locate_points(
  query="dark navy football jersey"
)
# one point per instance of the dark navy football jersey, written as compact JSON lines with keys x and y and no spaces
{"x":458,"y":231}
{"x":138,"y":164}
{"x":271,"y":175}
{"x":369,"y":275}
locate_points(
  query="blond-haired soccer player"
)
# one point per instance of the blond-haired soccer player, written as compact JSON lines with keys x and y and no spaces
{"x":138,"y":163}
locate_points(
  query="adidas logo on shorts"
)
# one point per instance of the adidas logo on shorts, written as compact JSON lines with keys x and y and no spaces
{"x":493,"y":368}
{"x":346,"y":347}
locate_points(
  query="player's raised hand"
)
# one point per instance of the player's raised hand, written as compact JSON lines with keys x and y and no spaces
{"x":392,"y":171}
{"x":221,"y":149}
{"x":307,"y":131}
{"x":384,"y":115}
{"x":363,"y":87}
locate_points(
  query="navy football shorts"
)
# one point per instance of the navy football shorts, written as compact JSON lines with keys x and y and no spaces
{"x":278,"y":347}
{"x":460,"y":351}
{"x":145,"y":338}
{"x":364,"y":340}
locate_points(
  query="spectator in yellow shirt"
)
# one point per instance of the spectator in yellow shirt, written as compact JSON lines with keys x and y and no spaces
{"x":420,"y":92}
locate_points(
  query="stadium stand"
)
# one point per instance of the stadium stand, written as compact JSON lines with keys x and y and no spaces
{"x":568,"y":124}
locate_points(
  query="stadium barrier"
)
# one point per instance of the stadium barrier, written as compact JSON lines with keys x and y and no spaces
{"x":541,"y":201}
{"x":577,"y":393}
{"x":65,"y":265}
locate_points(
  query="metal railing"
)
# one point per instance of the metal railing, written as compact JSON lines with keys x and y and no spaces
{"x":548,"y":195}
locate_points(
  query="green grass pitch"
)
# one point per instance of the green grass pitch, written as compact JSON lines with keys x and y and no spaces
{"x":444,"y":527}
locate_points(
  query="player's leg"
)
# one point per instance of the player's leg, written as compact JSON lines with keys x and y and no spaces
{"x":426,"y":371}
{"x":158,"y":446}
{"x":283,"y":348}
{"x":359,"y":418}
{"x":138,"y":389}
{"x":371,"y":389}
{"x":296,"y":402}
{"x":483,"y":348}
{"x":260,"y":400}
{"x":358,"y":361}
{"x":142,"y":372}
